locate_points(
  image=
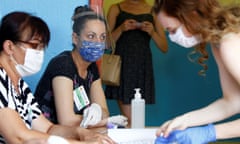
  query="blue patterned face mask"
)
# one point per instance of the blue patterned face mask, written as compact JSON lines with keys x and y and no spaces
{"x":91,"y":51}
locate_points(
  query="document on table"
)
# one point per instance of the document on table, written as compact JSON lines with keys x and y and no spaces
{"x":131,"y":135}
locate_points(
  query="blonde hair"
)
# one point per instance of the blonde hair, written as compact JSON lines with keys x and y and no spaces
{"x":205,"y":17}
{"x":225,"y":21}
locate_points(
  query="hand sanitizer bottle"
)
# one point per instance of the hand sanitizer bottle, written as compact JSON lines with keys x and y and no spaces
{"x":138,"y":110}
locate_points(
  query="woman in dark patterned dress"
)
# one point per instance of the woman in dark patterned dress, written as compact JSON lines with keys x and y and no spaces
{"x":133,"y":26}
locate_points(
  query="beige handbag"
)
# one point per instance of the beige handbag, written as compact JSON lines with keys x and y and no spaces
{"x":110,"y":70}
{"x":111,"y":65}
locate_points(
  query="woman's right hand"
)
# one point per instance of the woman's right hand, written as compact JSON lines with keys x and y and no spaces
{"x":129,"y":24}
{"x":97,"y":139}
{"x":36,"y":141}
{"x":102,"y":139}
{"x":90,"y":135}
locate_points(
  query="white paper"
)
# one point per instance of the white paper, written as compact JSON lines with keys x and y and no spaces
{"x":130,"y":135}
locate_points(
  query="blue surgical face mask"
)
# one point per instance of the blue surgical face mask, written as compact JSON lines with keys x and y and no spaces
{"x":91,"y":51}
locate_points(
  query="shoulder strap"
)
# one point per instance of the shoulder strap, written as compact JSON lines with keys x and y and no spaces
{"x":119,"y":7}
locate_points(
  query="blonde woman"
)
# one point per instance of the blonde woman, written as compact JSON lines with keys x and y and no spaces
{"x":193,"y":23}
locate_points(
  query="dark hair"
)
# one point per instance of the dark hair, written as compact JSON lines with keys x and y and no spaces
{"x":15,"y":25}
{"x":83,"y":14}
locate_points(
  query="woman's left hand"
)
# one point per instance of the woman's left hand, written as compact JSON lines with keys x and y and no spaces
{"x":178,"y":123}
{"x":148,"y":27}
{"x":118,"y":120}
{"x":91,"y":115}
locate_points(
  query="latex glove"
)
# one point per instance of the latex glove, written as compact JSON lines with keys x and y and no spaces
{"x":163,"y":140}
{"x":91,"y":115}
{"x":194,"y":135}
{"x":119,"y":120}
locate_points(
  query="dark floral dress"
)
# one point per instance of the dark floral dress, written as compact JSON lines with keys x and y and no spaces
{"x":137,"y":70}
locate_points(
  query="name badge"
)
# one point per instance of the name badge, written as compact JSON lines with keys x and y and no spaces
{"x":80,"y":97}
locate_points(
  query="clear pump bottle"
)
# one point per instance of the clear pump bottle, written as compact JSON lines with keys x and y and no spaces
{"x":138,"y":110}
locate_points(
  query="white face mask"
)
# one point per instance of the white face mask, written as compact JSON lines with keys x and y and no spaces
{"x":187,"y":42}
{"x":32,"y":62}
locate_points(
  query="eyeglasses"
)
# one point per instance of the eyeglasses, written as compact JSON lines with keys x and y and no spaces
{"x":33,"y":45}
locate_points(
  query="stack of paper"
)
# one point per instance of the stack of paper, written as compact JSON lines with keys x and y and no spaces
{"x":133,"y":135}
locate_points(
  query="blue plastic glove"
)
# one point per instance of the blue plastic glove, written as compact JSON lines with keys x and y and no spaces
{"x":194,"y":135}
{"x":162,"y":140}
